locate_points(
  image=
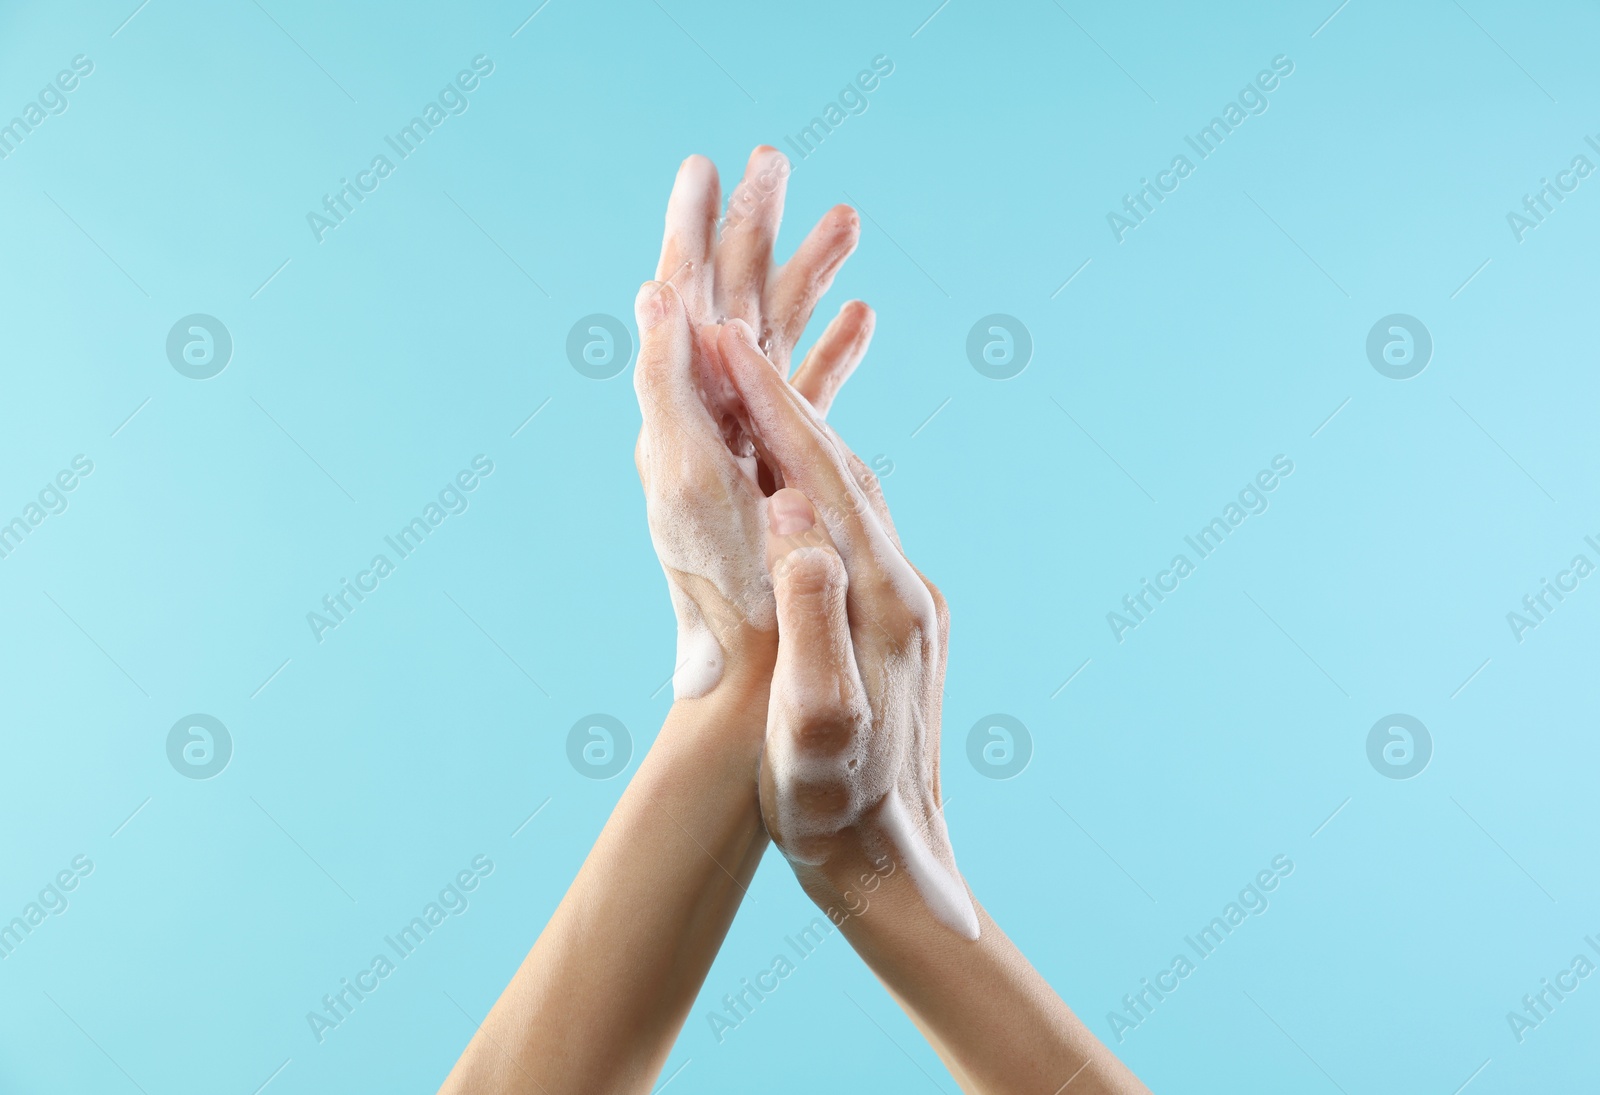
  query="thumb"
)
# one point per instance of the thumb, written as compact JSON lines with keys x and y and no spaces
{"x":815,"y":678}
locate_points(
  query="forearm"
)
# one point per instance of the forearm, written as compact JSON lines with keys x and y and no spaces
{"x":994,"y":1021}
{"x":599,"y":1000}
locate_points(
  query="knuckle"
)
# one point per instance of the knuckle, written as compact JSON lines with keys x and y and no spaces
{"x":649,"y":386}
{"x":922,"y":602}
{"x":810,"y":572}
{"x":864,"y":476}
{"x":821,"y":721}
{"x":652,"y":370}
{"x":823,"y":798}
{"x":899,"y":624}
{"x":820,"y":799}
{"x":878,"y":589}
{"x":910,"y":618}
{"x":825,"y":728}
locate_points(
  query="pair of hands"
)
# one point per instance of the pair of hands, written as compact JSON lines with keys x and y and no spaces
{"x":810,"y":669}
{"x":781,"y":557}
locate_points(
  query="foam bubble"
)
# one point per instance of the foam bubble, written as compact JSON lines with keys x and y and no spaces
{"x":699,"y":662}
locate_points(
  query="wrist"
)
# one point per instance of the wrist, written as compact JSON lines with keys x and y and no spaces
{"x":712,"y":743}
{"x":893,"y":873}
{"x":742,"y":684}
{"x":881,"y":912}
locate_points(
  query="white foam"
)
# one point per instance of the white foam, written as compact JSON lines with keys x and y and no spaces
{"x":700,"y":662}
{"x":941,"y":888}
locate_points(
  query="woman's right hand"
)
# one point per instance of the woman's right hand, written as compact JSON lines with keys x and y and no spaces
{"x":850,"y":772}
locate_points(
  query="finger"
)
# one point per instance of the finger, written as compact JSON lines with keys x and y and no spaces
{"x":782,"y":424}
{"x":663,"y":376}
{"x":688,"y":472}
{"x":819,"y":704}
{"x":791,"y":439}
{"x":744,"y":254}
{"x":691,"y":230}
{"x":872,"y":487}
{"x":797,"y":286}
{"x":835,"y":355}
{"x":809,"y":584}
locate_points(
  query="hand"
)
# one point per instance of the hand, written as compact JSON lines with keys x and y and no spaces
{"x":849,"y":777}
{"x":703,"y":483}
{"x":850,"y":773}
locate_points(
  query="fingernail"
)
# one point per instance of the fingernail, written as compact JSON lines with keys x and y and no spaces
{"x":648,"y":307}
{"x":742,"y":331}
{"x":789,"y":512}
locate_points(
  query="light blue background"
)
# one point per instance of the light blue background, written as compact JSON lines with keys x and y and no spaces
{"x":1223,"y":331}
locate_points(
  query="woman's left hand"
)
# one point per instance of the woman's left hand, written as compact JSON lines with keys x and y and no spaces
{"x":705,"y":487}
